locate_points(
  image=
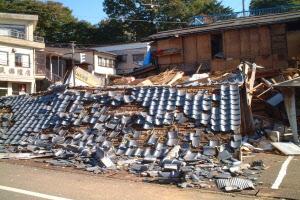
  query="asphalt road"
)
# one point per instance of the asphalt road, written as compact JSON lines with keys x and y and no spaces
{"x":70,"y":184}
{"x":81,"y":186}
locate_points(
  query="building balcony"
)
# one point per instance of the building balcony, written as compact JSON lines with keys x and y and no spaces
{"x":42,"y":72}
{"x":19,"y":38}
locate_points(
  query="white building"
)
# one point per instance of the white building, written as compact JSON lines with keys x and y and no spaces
{"x":101,"y":64}
{"x":129,"y":56}
{"x":17,"y":53}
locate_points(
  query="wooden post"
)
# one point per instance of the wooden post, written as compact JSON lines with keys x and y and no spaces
{"x":290,"y":106}
{"x":251,"y":85}
{"x":247,"y":122}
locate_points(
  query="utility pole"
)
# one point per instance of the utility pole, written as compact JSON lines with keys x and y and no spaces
{"x":243,"y":7}
{"x":73,"y":64}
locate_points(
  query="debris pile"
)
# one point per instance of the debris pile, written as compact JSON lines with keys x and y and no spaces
{"x":183,"y":135}
{"x":168,"y":77}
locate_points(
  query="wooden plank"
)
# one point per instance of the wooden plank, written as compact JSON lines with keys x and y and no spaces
{"x":232,"y":64}
{"x":279,"y":61}
{"x":264,"y":61}
{"x":163,"y":44}
{"x":217,"y":66}
{"x":176,"y":43}
{"x":232,"y":44}
{"x":190,"y":50}
{"x":250,"y":84}
{"x":293,"y":42}
{"x":278,"y":29}
{"x":203,"y":47}
{"x":254,"y":42}
{"x":287,"y":148}
{"x":265,"y":41}
{"x":245,"y":43}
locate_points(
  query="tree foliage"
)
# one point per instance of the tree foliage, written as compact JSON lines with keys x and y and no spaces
{"x":258,"y":4}
{"x":165,"y":14}
{"x":58,"y":25}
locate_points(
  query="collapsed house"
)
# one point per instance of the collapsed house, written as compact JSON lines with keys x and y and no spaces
{"x":189,"y":135}
{"x":170,"y":128}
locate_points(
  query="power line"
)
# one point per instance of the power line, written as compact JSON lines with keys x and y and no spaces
{"x":149,"y":21}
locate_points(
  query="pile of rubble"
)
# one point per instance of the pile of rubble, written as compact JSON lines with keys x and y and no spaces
{"x":183,"y":135}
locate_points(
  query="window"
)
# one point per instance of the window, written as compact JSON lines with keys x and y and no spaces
{"x":19,"y":28}
{"x":3,"y":58}
{"x":105,"y":62}
{"x":101,"y":62}
{"x":122,"y":58}
{"x":3,"y":88}
{"x":19,"y":88}
{"x":217,"y":46}
{"x":138,"y":59}
{"x":22,"y":60}
{"x":110,"y":63}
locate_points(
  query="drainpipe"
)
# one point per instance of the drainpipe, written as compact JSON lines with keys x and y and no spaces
{"x":50,"y":67}
{"x":34,"y":69}
{"x":58,"y":66}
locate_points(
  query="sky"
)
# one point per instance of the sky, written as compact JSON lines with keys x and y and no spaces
{"x":92,"y":10}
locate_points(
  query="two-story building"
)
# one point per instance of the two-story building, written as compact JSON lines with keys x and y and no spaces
{"x":129,"y":56}
{"x":59,"y":62}
{"x":18,"y":47}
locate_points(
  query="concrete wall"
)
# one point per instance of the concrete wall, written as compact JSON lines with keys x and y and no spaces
{"x":129,"y":65}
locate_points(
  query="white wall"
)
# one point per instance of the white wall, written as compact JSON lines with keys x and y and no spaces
{"x":11,"y":73}
{"x":12,"y":50}
{"x":104,"y":70}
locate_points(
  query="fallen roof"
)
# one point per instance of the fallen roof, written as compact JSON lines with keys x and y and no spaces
{"x":229,"y":24}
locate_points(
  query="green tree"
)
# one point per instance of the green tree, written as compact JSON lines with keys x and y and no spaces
{"x":110,"y":31}
{"x":258,"y":4}
{"x":141,"y":19}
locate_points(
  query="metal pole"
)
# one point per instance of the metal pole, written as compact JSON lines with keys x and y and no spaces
{"x":73,"y":70}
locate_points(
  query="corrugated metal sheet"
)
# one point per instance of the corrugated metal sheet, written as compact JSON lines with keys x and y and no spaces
{"x":237,"y":183}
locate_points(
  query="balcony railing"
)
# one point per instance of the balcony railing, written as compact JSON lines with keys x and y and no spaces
{"x":38,"y":39}
{"x":207,"y":19}
{"x":43,"y":71}
{"x":19,"y":35}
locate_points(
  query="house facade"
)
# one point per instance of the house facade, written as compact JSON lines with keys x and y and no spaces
{"x":270,"y":40}
{"x":59,"y":62}
{"x":18,"y":47}
{"x":129,"y":56}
